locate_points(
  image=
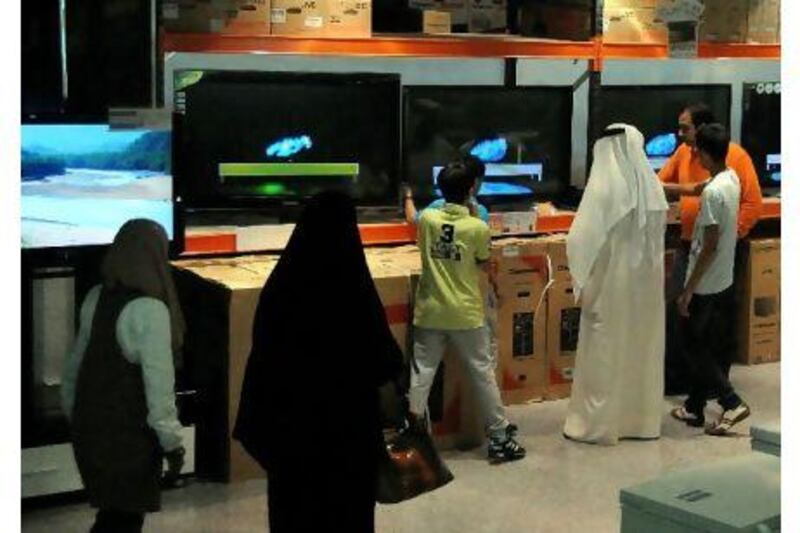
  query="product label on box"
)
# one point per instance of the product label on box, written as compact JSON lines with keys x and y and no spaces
{"x":314,"y":22}
{"x":511,"y":251}
{"x":278,"y":15}
{"x":570,"y":327}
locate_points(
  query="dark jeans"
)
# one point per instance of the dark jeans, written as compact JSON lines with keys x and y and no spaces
{"x":676,"y":371}
{"x":707,"y":334}
{"x":108,"y":521}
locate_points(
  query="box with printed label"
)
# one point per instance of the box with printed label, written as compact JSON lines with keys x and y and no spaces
{"x":557,"y":250}
{"x":563,"y":326}
{"x":349,"y":18}
{"x":434,"y":22}
{"x":522,"y":339}
{"x":764,"y":21}
{"x":759,"y":310}
{"x":302,"y":18}
{"x":724,"y":21}
{"x":633,"y":24}
{"x":487,"y":16}
{"x":249,"y":17}
{"x":196,"y":16}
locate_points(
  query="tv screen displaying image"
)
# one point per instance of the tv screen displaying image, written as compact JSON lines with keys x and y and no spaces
{"x":523,"y":135}
{"x":82,"y":182}
{"x":654,"y":110}
{"x":246,"y":137}
{"x":761,"y":130}
{"x":504,"y":180}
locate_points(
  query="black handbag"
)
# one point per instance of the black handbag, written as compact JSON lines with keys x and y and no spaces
{"x":411,"y":465}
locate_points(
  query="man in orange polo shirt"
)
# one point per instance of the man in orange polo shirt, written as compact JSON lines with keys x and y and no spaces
{"x":683,"y":176}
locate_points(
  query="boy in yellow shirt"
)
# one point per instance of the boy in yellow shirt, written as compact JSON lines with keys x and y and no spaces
{"x":449,"y":307}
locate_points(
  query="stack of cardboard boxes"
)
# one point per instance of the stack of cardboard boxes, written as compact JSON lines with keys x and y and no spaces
{"x":759,"y":303}
{"x":733,"y":21}
{"x":474,"y":16}
{"x":301,"y":18}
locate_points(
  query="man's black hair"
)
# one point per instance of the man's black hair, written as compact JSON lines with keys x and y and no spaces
{"x":455,"y":181}
{"x":475,"y":165}
{"x":701,"y":114}
{"x":714,"y":140}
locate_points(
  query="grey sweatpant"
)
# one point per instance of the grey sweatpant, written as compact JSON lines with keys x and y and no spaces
{"x":473,"y":347}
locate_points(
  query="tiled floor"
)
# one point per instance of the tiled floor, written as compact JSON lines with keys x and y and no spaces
{"x":561,"y":487}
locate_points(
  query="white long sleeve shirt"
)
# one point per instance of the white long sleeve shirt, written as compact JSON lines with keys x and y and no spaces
{"x":143,"y":333}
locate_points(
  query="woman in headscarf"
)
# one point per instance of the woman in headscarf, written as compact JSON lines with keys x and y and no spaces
{"x":118,"y":384}
{"x":309,"y":409}
{"x":615,"y":250}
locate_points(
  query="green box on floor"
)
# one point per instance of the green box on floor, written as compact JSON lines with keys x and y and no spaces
{"x":767,"y":438}
{"x":739,"y":494}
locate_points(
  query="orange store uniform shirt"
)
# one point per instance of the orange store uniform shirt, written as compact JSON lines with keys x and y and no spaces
{"x":684,"y":167}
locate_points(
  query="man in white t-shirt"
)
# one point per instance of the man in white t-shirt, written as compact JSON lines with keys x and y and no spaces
{"x":708,"y":291}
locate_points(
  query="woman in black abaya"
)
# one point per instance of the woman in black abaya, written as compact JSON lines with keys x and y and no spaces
{"x":309,"y":411}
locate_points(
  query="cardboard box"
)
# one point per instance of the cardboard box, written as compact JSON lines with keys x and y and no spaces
{"x":522,"y":339}
{"x":394,"y":290}
{"x":196,"y":16}
{"x":249,"y":17}
{"x":488,"y":16}
{"x":520,"y":266}
{"x":434,"y":22}
{"x":760,"y":314}
{"x":637,"y":25}
{"x":459,"y":12}
{"x":563,"y":325}
{"x":764,"y":21}
{"x":349,"y":18}
{"x":724,"y":21}
{"x":526,"y":258}
{"x":557,"y":250}
{"x":300,"y":18}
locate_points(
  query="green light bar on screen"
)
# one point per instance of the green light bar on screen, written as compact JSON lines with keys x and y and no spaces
{"x":287,"y":170}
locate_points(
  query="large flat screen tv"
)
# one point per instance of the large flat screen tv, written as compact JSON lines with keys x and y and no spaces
{"x":654,"y":110}
{"x":82,"y":182}
{"x":261,"y":138}
{"x":761,"y":130}
{"x":523,"y":135}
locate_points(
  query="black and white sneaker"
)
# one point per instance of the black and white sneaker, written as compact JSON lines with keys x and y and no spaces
{"x":505,"y":449}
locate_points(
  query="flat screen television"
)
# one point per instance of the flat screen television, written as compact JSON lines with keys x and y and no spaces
{"x":761,"y":130}
{"x":654,"y":110}
{"x":82,"y":181}
{"x":523,"y":135}
{"x":260,"y":138}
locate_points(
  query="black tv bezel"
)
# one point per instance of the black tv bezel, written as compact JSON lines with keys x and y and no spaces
{"x":562,"y":184}
{"x":69,"y":255}
{"x":760,"y":166}
{"x":597,"y":129}
{"x":277,"y":204}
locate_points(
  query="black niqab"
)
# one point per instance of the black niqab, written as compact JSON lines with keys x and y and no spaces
{"x":321,"y":348}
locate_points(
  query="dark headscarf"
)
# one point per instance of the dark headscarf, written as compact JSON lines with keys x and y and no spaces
{"x":139,"y":260}
{"x":321,"y":345}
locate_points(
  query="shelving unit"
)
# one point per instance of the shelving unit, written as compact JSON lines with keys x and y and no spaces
{"x":446,"y":46}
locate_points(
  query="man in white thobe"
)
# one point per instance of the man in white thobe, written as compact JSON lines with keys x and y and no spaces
{"x":616,"y":256}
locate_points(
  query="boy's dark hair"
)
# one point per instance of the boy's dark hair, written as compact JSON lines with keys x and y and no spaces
{"x":714,"y":140}
{"x":475,"y":166}
{"x":455,"y":181}
{"x":701,"y":114}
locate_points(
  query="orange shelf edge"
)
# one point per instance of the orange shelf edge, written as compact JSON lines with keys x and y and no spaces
{"x":704,"y":51}
{"x":451,"y":46}
{"x":380,"y":45}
